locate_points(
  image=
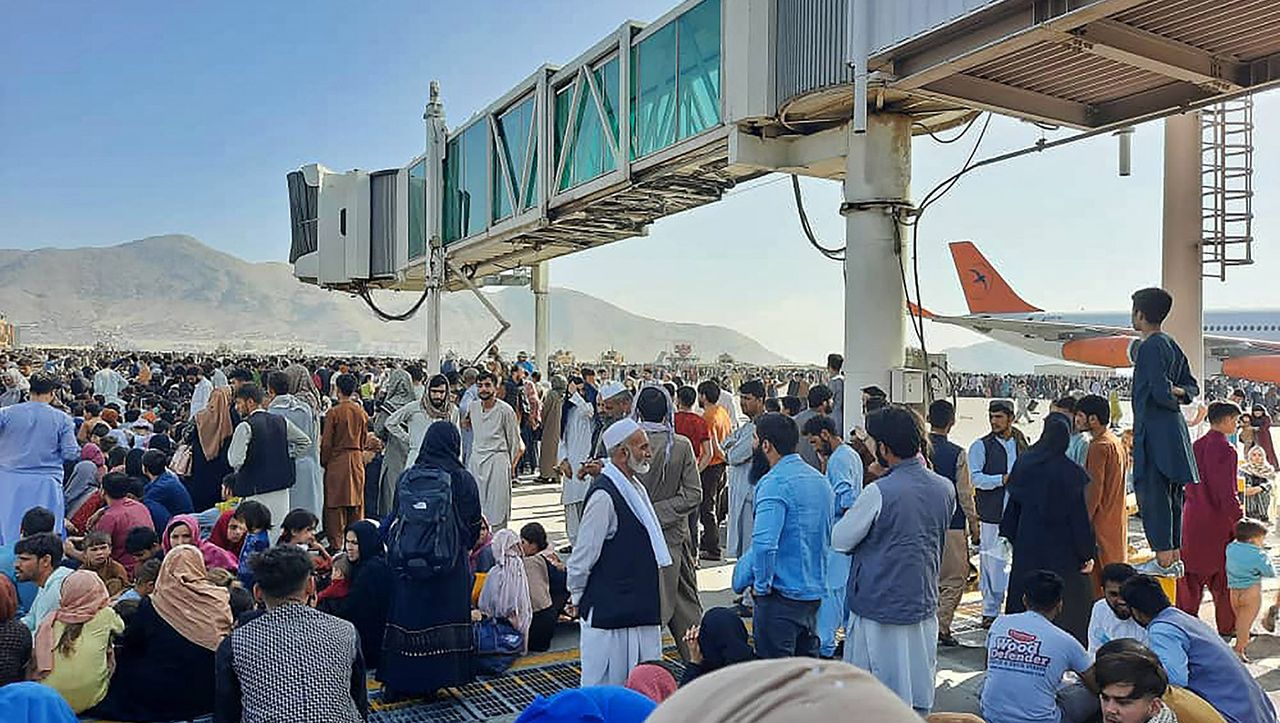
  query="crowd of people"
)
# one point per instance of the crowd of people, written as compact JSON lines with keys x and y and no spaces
{"x":185,"y":536}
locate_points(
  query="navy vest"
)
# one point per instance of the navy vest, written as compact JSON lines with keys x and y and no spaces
{"x":267,"y":467}
{"x":990,"y":503}
{"x":623,"y":589}
{"x":946,"y":462}
{"x":894,"y":576}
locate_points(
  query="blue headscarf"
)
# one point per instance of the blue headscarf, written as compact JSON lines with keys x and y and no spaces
{"x":599,"y":704}
{"x":34,"y":703}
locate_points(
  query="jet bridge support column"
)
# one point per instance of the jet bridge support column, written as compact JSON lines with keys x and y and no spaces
{"x":539,"y":281}
{"x":437,"y":134}
{"x":1181,"y":263}
{"x":877,"y":182}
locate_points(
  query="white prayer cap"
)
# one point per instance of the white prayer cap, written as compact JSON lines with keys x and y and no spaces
{"x":618,"y":432}
{"x":612,"y":389}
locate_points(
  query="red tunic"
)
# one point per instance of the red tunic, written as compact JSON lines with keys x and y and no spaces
{"x":1212,"y":507}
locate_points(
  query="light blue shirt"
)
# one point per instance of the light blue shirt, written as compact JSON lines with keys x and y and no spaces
{"x":978,"y":460}
{"x":792,"y":531}
{"x":844,"y":472}
{"x":1078,"y":448}
{"x":47,"y":599}
{"x":1170,"y":644}
{"x":1027,"y":656}
{"x":35,"y":438}
{"x":1246,"y":565}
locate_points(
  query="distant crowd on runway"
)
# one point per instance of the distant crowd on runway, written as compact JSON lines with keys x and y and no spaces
{"x":183,"y":536}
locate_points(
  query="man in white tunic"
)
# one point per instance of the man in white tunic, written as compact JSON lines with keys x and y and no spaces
{"x":614,"y":572}
{"x":495,"y":450}
{"x":895,"y":532}
{"x":574,"y":449}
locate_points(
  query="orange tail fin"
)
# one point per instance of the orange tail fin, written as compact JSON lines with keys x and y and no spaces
{"x":985,"y":290}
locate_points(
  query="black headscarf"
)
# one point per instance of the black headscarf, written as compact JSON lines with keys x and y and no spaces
{"x":441,"y":447}
{"x":370,"y":539}
{"x":133,"y":463}
{"x":723,"y":639}
{"x":1044,"y":478}
{"x":367,"y":604}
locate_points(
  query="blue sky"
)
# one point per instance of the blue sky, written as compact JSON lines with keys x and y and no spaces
{"x":124,"y":120}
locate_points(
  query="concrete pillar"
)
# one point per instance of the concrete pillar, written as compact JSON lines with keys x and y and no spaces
{"x":540,"y":281}
{"x":1181,"y":263}
{"x":877,"y":180}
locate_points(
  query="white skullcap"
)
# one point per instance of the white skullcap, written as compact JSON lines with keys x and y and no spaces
{"x":618,"y":432}
{"x":612,"y":389}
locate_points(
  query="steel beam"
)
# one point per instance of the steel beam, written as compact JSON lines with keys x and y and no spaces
{"x":1001,"y":98}
{"x":1165,"y":97}
{"x":1037,"y":22}
{"x":1157,"y":54}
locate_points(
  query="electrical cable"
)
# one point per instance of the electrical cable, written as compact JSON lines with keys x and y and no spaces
{"x":365,"y":294}
{"x":832,"y":253}
{"x":953,"y":139}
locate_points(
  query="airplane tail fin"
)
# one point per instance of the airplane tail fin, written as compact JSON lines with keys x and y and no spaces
{"x":985,"y":290}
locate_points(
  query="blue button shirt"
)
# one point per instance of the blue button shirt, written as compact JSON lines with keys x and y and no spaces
{"x":793,"y":517}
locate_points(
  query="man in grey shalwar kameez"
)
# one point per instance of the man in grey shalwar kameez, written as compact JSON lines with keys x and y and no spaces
{"x":738,"y":449}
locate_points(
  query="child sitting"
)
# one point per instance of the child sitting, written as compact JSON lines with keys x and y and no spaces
{"x":1247,"y":564}
{"x":548,"y":591}
{"x":339,"y":584}
{"x":299,"y":528}
{"x":257,"y":520}
{"x":97,"y":559}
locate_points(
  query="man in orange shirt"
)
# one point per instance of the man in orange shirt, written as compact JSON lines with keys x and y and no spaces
{"x":1105,"y":494}
{"x":719,"y":426}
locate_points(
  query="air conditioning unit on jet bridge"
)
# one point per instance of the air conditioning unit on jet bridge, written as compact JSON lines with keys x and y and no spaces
{"x":351,"y":230}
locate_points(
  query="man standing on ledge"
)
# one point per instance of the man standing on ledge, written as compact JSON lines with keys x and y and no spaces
{"x":495,"y":450}
{"x":614,"y":571}
{"x":1163,"y":462}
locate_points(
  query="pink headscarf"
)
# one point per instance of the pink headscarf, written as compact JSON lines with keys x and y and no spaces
{"x":93,"y":453}
{"x":506,"y":588}
{"x":83,"y":596}
{"x":652,"y":681}
{"x":213,"y":555}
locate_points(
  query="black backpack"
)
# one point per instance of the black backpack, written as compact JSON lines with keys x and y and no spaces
{"x":423,"y":540}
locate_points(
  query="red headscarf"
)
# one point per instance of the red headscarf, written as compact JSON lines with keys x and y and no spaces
{"x":8,"y":599}
{"x":218,"y":535}
{"x":652,"y":681}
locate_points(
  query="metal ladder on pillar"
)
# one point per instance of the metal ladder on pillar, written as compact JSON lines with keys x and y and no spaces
{"x":1226,"y":181}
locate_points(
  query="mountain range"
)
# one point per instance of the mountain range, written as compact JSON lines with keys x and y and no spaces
{"x":175,"y":293}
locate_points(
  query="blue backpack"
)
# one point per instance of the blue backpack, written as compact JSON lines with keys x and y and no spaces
{"x":423,"y":540}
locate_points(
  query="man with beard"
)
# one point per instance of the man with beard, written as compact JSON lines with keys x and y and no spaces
{"x":844,"y":473}
{"x":614,"y":405}
{"x":495,"y":450}
{"x":991,"y":459}
{"x":1111,"y":618}
{"x":820,"y":403}
{"x":614,"y":573}
{"x":786,"y":566}
{"x":895,"y":532}
{"x":738,"y":450}
{"x":675,"y":489}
